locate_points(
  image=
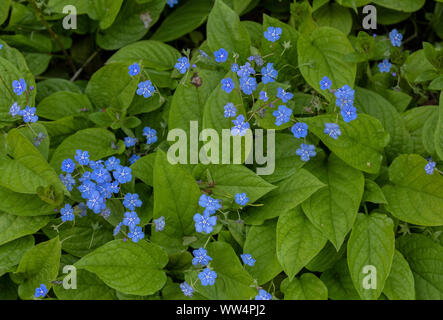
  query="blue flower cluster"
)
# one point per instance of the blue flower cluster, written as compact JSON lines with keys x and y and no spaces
{"x":41,"y":291}
{"x":430,"y":167}
{"x":28,"y":113}
{"x":205,"y":222}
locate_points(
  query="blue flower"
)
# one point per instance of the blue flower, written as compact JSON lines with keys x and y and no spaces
{"x":234,"y":67}
{"x":182,"y":65}
{"x":86,"y":176}
{"x":385,"y":66}
{"x":150,"y":134}
{"x":203,"y":54}
{"x":258,"y":60}
{"x":325,"y":83}
{"x":221,"y":55}
{"x":245,"y":70}
{"x":131,"y":220}
{"x":112,"y":163}
{"x":430,"y":166}
{"x":300,"y":130}
{"x":136,"y":234}
{"x":94,"y":165}
{"x":159,"y":224}
{"x":306,"y":151}
{"x":230,"y":110}
{"x":282,"y":115}
{"x":241,"y":199}
{"x":105,"y":213}
{"x":333,"y":130}
{"x":248,"y":84}
{"x":273,"y":34}
{"x":114,"y":187}
{"x":283,"y":95}
{"x":227,"y":85}
{"x":67,"y":213}
{"x":209,"y":203}
{"x":122,"y":174}
{"x":117,"y":229}
{"x":204,"y":223}
{"x":103,"y":188}
{"x":82,"y":207}
{"x":171,"y":3}
{"x":145,"y":89}
{"x":133,"y":158}
{"x":207,"y":277}
{"x":251,"y":58}
{"x":95,"y":202}
{"x":240,"y":126}
{"x":82,"y":157}
{"x":247,"y":259}
{"x":19,"y":86}
{"x":134,"y":69}
{"x":186,"y":289}
{"x":86,"y":189}
{"x":131,"y":201}
{"x":28,"y":114}
{"x":101,"y":175}
{"x":68,"y":166}
{"x":1,"y":46}
{"x":201,"y":257}
{"x":68,"y":181}
{"x":130,"y":142}
{"x":41,"y":291}
{"x":263,"y":96}
{"x":345,"y":96}
{"x":15,"y":109}
{"x":263,"y":295}
{"x":395,"y":37}
{"x":349,"y":113}
{"x":269,"y":73}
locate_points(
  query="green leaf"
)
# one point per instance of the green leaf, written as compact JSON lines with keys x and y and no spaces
{"x":289,"y":193}
{"x":298,"y":241}
{"x":176,"y":198}
{"x":425,"y":258}
{"x":132,"y":23}
{"x":37,"y":62}
{"x":437,"y":83}
{"x":224,"y":30}
{"x":307,"y":287}
{"x":143,"y":169}
{"x":333,"y":209}
{"x":104,"y":10}
{"x":62,"y":104}
{"x":47,"y":87}
{"x":326,"y":258}
{"x":129,"y":267}
{"x":261,"y":244}
{"x":183,"y":20}
{"x":438,"y":135}
{"x":13,"y":227}
{"x":339,"y":282}
{"x":361,"y":142}
{"x":415,"y":65}
{"x":400,"y":282}
{"x":232,"y":282}
{"x":372,"y":243}
{"x":12,"y":252}
{"x":375,"y":105}
{"x":58,"y":5}
{"x":116,"y":93}
{"x":373,"y":193}
{"x":153,"y":54}
{"x":415,"y":120}
{"x":335,"y":16}
{"x":89,"y":287}
{"x":405,"y":5}
{"x":4,"y":10}
{"x":321,"y":54}
{"x":39,"y":266}
{"x":413,"y":196}
{"x":98,"y":142}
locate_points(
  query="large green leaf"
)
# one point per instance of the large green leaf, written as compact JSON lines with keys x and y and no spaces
{"x":39,"y":266}
{"x":176,"y":198}
{"x":413,"y":196}
{"x":143,"y":169}
{"x":129,"y":267}
{"x":335,"y":16}
{"x":58,"y":5}
{"x":298,"y":241}
{"x":104,"y":10}
{"x":4,"y":10}
{"x":372,"y":243}
{"x":289,"y":193}
{"x":12,"y":252}
{"x":153,"y":54}
{"x":404,"y":5}
{"x":233,"y":282}
{"x":14,"y":227}
{"x":62,"y":104}
{"x":261,"y":244}
{"x":361,"y":142}
{"x":438,"y":135}
{"x":333,"y":209}
{"x":307,"y":287}
{"x":224,"y":30}
{"x":339,"y":282}
{"x":183,"y":20}
{"x":425,"y":257}
{"x":400,"y":283}
{"x":415,"y":120}
{"x":321,"y":54}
